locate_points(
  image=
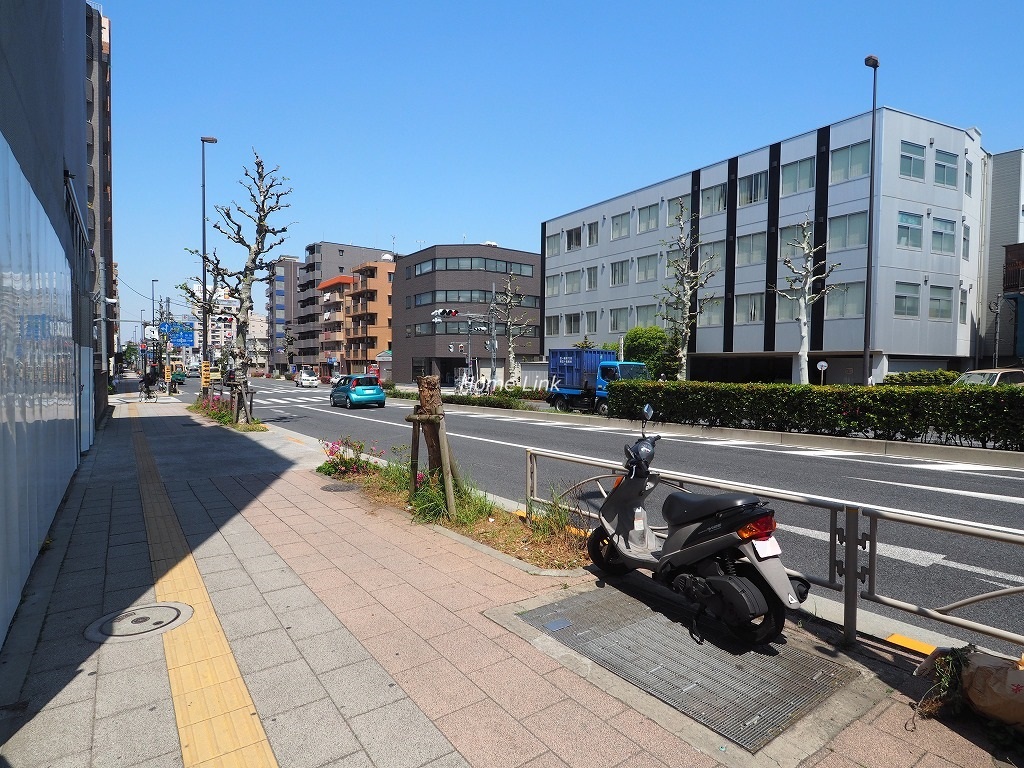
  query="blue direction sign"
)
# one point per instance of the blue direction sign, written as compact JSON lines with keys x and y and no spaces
{"x":178,"y":334}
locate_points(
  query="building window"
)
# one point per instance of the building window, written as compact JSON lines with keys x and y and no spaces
{"x":591,"y":278}
{"x":945,"y":168}
{"x":851,"y":162}
{"x":850,"y":231}
{"x":619,"y":320}
{"x":551,"y":325}
{"x":678,"y":206}
{"x":845,"y":301}
{"x":712,"y":314}
{"x":798,"y":176}
{"x":965,"y":252}
{"x":552,"y":285}
{"x":943,"y":237}
{"x":786,"y":309}
{"x":908,"y":300}
{"x":791,"y":241}
{"x":908,"y":230}
{"x":749,"y":308}
{"x":572,"y":281}
{"x":573,"y":239}
{"x":620,"y":272}
{"x":963,"y":306}
{"x":591,"y":322}
{"x":713,"y":200}
{"x":592,"y":233}
{"x":620,"y":226}
{"x":753,"y":189}
{"x":713,"y":254}
{"x":572,"y":324}
{"x":647,"y":218}
{"x":647,"y":315}
{"x":751,"y":249}
{"x":911,"y":160}
{"x":940,"y":303}
{"x":551,"y":244}
{"x":968,"y":176}
{"x":647,"y":268}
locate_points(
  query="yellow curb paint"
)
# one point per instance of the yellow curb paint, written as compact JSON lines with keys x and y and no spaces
{"x":910,"y":643}
{"x":218,"y":725}
{"x":295,"y":440}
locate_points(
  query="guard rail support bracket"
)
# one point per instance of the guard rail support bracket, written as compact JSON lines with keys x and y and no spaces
{"x":840,"y":568}
{"x":862,"y":575}
{"x":841,"y":534}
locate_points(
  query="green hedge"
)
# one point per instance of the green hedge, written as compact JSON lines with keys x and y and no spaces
{"x":991,"y":417}
{"x":921,"y":378}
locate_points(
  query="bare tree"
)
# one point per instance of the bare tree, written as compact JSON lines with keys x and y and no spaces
{"x":267,"y":193}
{"x":682,"y":304}
{"x":806,"y":286}
{"x":506,"y":304}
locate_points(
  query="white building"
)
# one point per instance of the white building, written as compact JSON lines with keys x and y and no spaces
{"x":605,"y":265}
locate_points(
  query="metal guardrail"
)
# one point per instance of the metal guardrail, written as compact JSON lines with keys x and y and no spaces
{"x":845,"y":573}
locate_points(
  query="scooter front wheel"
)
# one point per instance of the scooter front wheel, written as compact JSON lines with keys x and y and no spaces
{"x":603,"y":553}
{"x":765,"y":628}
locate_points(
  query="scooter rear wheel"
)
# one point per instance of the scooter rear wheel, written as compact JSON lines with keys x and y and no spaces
{"x":604,"y":555}
{"x":765,"y":628}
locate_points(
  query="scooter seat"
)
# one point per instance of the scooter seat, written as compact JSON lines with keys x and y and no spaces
{"x":681,"y":508}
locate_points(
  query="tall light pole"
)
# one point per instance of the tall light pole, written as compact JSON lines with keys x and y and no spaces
{"x":870,"y":61}
{"x":204,"y":140}
{"x":152,"y":306}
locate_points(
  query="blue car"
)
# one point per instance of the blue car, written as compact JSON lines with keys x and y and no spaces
{"x":358,"y":390}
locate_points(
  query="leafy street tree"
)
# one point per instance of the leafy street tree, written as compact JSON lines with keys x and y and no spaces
{"x":682,"y":304}
{"x":806,"y":286}
{"x":646,"y":344}
{"x":267,"y":193}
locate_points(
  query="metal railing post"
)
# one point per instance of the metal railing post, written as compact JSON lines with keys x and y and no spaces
{"x":851,"y":574}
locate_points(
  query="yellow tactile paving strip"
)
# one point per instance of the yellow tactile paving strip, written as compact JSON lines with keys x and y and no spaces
{"x":217,"y":722}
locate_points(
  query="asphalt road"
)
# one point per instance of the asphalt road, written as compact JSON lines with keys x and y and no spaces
{"x":927,"y":567}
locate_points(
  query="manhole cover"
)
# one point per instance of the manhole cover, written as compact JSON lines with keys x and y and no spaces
{"x":747,"y":696}
{"x":337,"y":487}
{"x":137,"y":622}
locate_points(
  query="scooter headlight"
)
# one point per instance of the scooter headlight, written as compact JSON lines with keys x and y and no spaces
{"x":761,"y":529}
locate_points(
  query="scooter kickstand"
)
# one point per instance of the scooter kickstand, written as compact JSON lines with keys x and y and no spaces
{"x":695,"y":633}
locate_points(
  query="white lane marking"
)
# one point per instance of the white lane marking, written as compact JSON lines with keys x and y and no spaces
{"x":972,"y":494}
{"x":275,"y":401}
{"x":821,"y":453}
{"x":914,"y":556}
{"x":952,"y":467}
{"x":907,"y":555}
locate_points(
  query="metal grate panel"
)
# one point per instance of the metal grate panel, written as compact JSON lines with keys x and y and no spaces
{"x":747,"y":696}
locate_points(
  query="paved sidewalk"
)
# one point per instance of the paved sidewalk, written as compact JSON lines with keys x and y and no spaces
{"x":330,"y":630}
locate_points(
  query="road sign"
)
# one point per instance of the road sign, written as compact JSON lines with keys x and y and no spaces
{"x":204,"y":374}
{"x":822,"y":365}
{"x":179,"y":334}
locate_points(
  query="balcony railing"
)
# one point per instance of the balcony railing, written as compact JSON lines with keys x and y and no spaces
{"x":1013,"y":277}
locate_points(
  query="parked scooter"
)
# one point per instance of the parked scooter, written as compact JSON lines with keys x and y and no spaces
{"x":716,"y":551}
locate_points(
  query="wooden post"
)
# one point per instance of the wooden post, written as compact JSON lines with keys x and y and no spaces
{"x":428,"y":417}
{"x":414,"y":459}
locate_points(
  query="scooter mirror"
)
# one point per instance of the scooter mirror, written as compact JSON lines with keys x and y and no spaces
{"x":648,"y":412}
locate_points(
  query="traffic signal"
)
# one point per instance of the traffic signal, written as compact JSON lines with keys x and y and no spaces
{"x":462,"y":349}
{"x":445,"y":312}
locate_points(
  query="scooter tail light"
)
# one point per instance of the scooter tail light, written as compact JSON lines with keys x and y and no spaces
{"x":761,"y":529}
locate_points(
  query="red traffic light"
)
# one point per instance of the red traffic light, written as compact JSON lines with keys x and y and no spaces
{"x":448,"y":312}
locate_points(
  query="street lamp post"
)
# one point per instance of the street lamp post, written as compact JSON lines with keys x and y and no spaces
{"x":870,"y":61}
{"x":152,"y":305}
{"x":203,"y":141}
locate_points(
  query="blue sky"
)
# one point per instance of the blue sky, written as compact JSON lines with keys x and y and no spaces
{"x":407,"y":124}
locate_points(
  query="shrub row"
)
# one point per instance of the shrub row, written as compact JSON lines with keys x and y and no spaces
{"x":989,"y":417}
